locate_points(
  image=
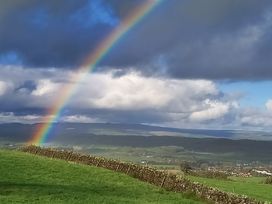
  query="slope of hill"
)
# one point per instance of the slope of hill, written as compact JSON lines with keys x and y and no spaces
{"x":27,"y":178}
{"x":253,"y":187}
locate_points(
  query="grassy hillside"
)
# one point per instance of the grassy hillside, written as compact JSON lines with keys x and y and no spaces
{"x":27,"y":178}
{"x":254,"y":187}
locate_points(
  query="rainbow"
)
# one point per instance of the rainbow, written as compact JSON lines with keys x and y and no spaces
{"x":54,"y":113}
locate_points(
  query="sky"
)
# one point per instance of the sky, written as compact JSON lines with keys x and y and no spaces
{"x":186,"y":64}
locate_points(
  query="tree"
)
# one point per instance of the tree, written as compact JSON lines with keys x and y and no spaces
{"x":185,"y":167}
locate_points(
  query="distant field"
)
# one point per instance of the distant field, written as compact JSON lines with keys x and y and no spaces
{"x":253,"y":187}
{"x":164,"y":156}
{"x":27,"y":178}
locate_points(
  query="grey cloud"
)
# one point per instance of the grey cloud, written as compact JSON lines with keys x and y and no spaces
{"x":52,"y":33}
{"x":202,"y":39}
{"x":126,"y":98}
{"x":197,"y":39}
{"x":129,"y":97}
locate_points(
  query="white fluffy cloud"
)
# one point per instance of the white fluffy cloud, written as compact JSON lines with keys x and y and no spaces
{"x":80,"y":119}
{"x":109,"y":97}
{"x":126,"y":92}
{"x":214,"y":110}
{"x":3,"y":88}
{"x":269,"y":105}
{"x":45,"y":87}
{"x":10,"y":117}
{"x":170,"y":99}
{"x":256,"y":118}
{"x":133,"y":91}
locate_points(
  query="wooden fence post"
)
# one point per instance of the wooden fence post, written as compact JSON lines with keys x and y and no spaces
{"x":52,"y":156}
{"x":117,"y":167}
{"x":68,"y":156}
{"x":128,"y":170}
{"x":164,"y":180}
{"x":98,"y":162}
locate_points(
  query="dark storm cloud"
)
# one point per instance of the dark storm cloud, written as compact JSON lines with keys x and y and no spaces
{"x":52,"y":33}
{"x":213,"y":39}
{"x":202,"y":39}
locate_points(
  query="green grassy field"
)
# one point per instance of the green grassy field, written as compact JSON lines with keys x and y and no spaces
{"x":26,"y":178}
{"x":253,"y":187}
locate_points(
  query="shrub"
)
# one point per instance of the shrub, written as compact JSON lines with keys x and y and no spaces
{"x":185,"y":167}
{"x":268,"y":180}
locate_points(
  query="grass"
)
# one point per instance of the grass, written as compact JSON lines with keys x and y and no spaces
{"x":28,"y":178}
{"x":253,"y":187}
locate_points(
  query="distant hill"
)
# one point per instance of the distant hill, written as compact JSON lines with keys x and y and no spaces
{"x":22,"y":132}
{"x":133,"y":135}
